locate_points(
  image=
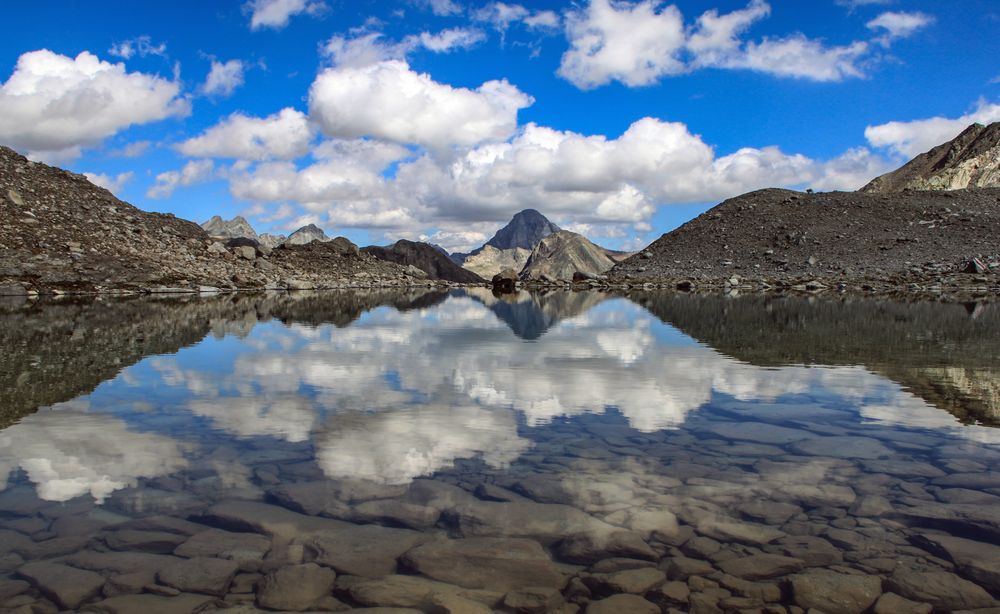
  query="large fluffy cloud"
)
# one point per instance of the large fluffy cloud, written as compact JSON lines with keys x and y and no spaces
{"x":388,"y":100}
{"x":53,"y":105}
{"x":284,"y":135}
{"x":909,"y":138}
{"x":609,"y":185}
{"x":637,"y":43}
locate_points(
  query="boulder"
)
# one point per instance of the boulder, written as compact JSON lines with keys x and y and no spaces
{"x":843,"y":447}
{"x":67,"y":586}
{"x":619,"y":604}
{"x":835,"y":593}
{"x":152,"y":604}
{"x":546,"y":523}
{"x":891,"y":603}
{"x":295,"y":588}
{"x":199,"y":575}
{"x":157,"y":542}
{"x":761,"y":566}
{"x":505,"y":281}
{"x":267,"y":519}
{"x":593,"y":546}
{"x":367,"y":550}
{"x":943,"y":590}
{"x":221,"y":544}
{"x":977,"y":561}
{"x":398,"y":591}
{"x":493,"y":563}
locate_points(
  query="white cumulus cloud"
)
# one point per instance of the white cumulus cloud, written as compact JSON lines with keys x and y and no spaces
{"x":195,"y":171}
{"x":223,"y":78}
{"x":277,"y":13}
{"x":632,"y":43}
{"x":367,"y":48}
{"x":909,"y":138}
{"x":109,"y":183}
{"x":54,"y":105}
{"x":899,"y":24}
{"x":390,"y":101}
{"x":284,"y":135}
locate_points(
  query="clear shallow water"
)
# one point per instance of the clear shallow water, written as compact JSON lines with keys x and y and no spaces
{"x":453,"y":452}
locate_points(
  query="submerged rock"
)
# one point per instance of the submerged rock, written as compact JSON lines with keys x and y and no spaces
{"x":362,"y":550}
{"x":835,"y":593}
{"x":500,"y":564}
{"x":295,"y":588}
{"x":199,"y":575}
{"x":67,"y":586}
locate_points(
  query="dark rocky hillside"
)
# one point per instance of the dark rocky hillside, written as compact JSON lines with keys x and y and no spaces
{"x":427,"y":258}
{"x":781,"y":234}
{"x":61,"y":233}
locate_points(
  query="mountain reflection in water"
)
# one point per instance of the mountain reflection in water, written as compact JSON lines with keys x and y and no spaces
{"x":756,"y":424}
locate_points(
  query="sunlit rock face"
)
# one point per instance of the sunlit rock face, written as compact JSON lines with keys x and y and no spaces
{"x":70,"y":452}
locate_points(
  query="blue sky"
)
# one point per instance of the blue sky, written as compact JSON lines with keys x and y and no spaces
{"x":438,"y":119}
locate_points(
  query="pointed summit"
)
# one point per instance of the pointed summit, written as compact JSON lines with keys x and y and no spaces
{"x":525,"y":230}
{"x":236,"y":228}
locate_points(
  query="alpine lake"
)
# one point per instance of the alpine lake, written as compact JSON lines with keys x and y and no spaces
{"x":461,"y":452}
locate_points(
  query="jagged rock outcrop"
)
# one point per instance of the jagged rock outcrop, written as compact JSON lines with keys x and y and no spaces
{"x":271,"y":241}
{"x":488,"y":260}
{"x":306,"y":235}
{"x":236,"y":228}
{"x":61,"y":233}
{"x":970,"y":160}
{"x":560,"y":255}
{"x":426,"y":258}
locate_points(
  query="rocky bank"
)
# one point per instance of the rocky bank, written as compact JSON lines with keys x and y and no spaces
{"x":59,"y":233}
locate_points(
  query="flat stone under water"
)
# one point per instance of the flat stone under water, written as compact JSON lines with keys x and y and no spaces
{"x":463,"y":452}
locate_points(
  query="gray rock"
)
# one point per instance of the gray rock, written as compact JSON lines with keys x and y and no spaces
{"x":587,"y":548}
{"x":500,"y":564}
{"x":128,"y":583}
{"x":411,"y":592}
{"x":546,"y":523}
{"x":120,"y":562}
{"x":769,"y":512}
{"x":152,"y":604}
{"x":619,"y":604}
{"x":891,"y":603}
{"x":729,"y":530}
{"x":12,"y":588}
{"x":199,"y":575}
{"x":330,"y":497}
{"x":246,"y":252}
{"x":532,"y":600}
{"x":267,"y":519}
{"x":635,"y":581}
{"x":835,"y":593}
{"x":843,"y":447}
{"x":761,"y":566}
{"x":362,"y":550}
{"x":814,"y":551}
{"x":977,"y":561}
{"x":759,"y":432}
{"x":681,"y":568}
{"x":157,"y":542}
{"x":871,"y":506}
{"x":295,"y":588}
{"x":67,"y":586}
{"x":221,"y":544}
{"x":942,"y":589}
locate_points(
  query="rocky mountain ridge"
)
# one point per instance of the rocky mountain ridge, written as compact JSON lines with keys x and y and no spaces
{"x":426,"y":258}
{"x":509,"y":244}
{"x":60,"y":233}
{"x":563,"y":255}
{"x":970,"y":160}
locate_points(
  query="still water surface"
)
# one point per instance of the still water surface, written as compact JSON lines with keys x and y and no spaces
{"x":460,"y":452}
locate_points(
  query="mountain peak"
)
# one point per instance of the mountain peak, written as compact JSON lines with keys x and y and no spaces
{"x":524,"y":230}
{"x":970,"y":160}
{"x":307,"y":234}
{"x":236,"y":228}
